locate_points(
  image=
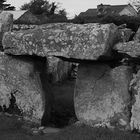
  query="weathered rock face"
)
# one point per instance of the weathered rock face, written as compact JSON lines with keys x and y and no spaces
{"x":101,"y":95}
{"x":18,"y":27}
{"x":137,"y":35}
{"x":22,"y":77}
{"x":131,"y":48}
{"x":57,"y":69}
{"x":135,"y":87}
{"x":7,"y":19}
{"x":6,"y":24}
{"x":89,"y":41}
{"x":125,"y":34}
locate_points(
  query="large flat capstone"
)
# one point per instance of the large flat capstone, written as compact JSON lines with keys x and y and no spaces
{"x":88,"y":41}
{"x":101,"y":95}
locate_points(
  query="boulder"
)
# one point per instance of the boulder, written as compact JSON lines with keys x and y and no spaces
{"x":101,"y":95}
{"x":26,"y":80}
{"x":88,"y":41}
{"x":125,"y":34}
{"x":135,"y":88}
{"x":6,"y":24}
{"x":131,"y":48}
{"x":137,"y":35}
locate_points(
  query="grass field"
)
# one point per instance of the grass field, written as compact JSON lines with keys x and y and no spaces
{"x":11,"y":129}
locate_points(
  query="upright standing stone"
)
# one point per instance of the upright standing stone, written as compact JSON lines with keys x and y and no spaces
{"x":135,"y":87}
{"x":23,"y":78}
{"x":6,"y":24}
{"x":101,"y":95}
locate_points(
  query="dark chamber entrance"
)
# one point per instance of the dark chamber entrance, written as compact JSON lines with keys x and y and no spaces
{"x":64,"y":113}
{"x":60,"y":111}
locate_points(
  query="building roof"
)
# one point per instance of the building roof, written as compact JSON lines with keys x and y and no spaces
{"x":112,"y":8}
{"x":16,"y":14}
{"x":117,"y":8}
{"x":89,"y":12}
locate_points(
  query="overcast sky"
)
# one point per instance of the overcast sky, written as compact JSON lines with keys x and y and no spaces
{"x":73,"y":6}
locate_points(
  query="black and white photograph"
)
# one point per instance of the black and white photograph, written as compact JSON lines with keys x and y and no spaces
{"x":69,"y":69}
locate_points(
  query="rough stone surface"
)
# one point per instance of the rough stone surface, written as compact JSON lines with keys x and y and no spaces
{"x":88,"y":41}
{"x":125,"y":34}
{"x":137,"y":35}
{"x":101,"y":95}
{"x":20,"y":77}
{"x":57,"y":69}
{"x":132,"y":48}
{"x":135,"y":87}
{"x":6,"y":24}
{"x":18,"y":27}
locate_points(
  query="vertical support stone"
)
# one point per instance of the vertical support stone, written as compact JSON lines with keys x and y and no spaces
{"x":25,"y":79}
{"x":6,"y":24}
{"x":135,"y":87}
{"x":101,"y":95}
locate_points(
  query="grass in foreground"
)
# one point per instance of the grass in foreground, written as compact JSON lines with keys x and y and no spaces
{"x":10,"y":129}
{"x":88,"y":133}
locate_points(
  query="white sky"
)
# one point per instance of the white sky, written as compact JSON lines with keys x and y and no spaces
{"x":73,"y":6}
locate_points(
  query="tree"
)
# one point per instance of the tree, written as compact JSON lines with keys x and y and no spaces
{"x":39,"y":7}
{"x":46,"y":8}
{"x":4,"y":6}
{"x":36,"y":6}
{"x":25,"y":6}
{"x":62,"y":12}
{"x":53,"y":8}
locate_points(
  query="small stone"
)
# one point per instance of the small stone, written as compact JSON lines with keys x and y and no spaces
{"x":36,"y":132}
{"x":50,"y":130}
{"x":78,"y":124}
{"x":41,"y":128}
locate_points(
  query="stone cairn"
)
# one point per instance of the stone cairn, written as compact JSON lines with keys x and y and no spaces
{"x":107,"y":90}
